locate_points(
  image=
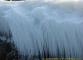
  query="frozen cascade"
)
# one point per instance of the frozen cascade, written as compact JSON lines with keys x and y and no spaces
{"x":37,"y":27}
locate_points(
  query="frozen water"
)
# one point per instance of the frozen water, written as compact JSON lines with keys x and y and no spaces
{"x":42,"y":26}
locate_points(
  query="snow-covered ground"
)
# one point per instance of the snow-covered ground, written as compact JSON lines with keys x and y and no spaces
{"x":42,"y":26}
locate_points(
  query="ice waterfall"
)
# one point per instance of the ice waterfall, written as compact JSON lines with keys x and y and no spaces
{"x":44,"y":27}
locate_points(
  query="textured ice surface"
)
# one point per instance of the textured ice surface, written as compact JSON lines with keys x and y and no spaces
{"x":38,"y":26}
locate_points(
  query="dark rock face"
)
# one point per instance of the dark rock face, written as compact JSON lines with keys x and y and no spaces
{"x":7,"y":52}
{"x":4,"y":50}
{"x":7,"y":49}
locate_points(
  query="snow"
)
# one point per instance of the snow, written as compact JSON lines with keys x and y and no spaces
{"x":38,"y":26}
